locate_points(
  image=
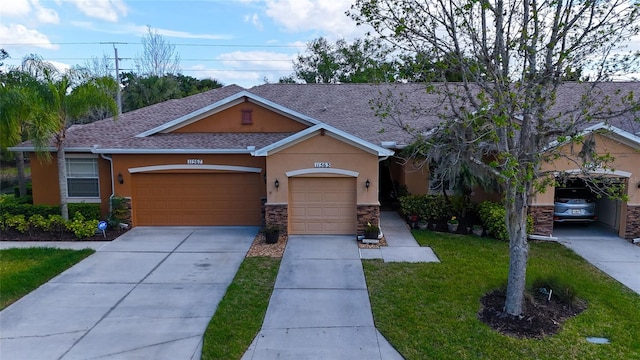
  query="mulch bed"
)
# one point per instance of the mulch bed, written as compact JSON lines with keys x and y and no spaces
{"x":541,"y":317}
{"x":14,"y":235}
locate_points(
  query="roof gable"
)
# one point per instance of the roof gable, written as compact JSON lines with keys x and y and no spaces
{"x":327,"y":130}
{"x":227,"y":103}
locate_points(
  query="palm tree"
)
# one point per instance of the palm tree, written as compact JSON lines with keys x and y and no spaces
{"x":22,"y":112}
{"x":64,"y":96}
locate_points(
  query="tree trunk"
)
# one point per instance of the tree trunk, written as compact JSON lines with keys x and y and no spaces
{"x":22,"y":181}
{"x":62,"y":181}
{"x":518,"y":250}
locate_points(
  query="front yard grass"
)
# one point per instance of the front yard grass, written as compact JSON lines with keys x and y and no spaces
{"x":240,"y":313}
{"x":23,"y":270}
{"x":429,"y":310}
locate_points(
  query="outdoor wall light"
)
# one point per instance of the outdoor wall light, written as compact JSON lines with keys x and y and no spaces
{"x":276,"y":184}
{"x":120,"y":178}
{"x":367,"y":184}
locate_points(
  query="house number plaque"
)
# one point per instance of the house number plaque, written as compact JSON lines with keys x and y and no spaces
{"x":322,"y":164}
{"x":194,"y":162}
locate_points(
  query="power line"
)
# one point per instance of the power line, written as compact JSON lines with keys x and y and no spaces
{"x":137,"y":43}
{"x":181,"y":59}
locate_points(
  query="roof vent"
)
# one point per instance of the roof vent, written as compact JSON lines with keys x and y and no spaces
{"x":246,"y":117}
{"x":388,"y":144}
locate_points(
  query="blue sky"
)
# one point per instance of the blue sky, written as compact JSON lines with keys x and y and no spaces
{"x":234,"y":41}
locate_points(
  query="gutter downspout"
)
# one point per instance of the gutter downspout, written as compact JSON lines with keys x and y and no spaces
{"x":112,"y":184}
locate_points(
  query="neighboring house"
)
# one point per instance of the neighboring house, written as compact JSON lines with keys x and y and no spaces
{"x":312,"y":158}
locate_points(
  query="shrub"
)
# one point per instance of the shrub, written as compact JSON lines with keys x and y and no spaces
{"x":119,"y":212}
{"x":90,"y":211}
{"x":55,"y":223}
{"x":80,"y":227}
{"x":427,"y":207}
{"x":493,"y":217}
{"x":38,"y":221}
{"x":18,"y":222}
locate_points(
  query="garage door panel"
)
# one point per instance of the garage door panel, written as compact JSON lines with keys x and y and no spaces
{"x":197,"y":199}
{"x":322,"y":206}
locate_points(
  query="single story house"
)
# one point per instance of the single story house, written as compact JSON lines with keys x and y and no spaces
{"x":312,"y":158}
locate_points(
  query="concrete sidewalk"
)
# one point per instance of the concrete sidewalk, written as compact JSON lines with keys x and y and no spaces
{"x":401,"y":245}
{"x":320,"y":306}
{"x":149,"y":294}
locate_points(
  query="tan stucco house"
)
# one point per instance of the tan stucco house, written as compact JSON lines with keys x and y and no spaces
{"x":312,"y":158}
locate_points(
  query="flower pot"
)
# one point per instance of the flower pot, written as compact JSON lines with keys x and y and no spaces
{"x":422,"y":225}
{"x":271,"y":237}
{"x":452,"y":227}
{"x":477,"y":231}
{"x":371,"y":235}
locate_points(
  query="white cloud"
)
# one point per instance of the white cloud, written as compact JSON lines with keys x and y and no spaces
{"x":245,"y":68}
{"x":46,"y":16}
{"x":16,"y":35}
{"x":24,"y":9}
{"x":257,"y":60}
{"x":140,"y":30}
{"x":15,"y":8}
{"x":109,"y":10}
{"x":255,"y":20}
{"x":62,"y":67}
{"x":327,"y":16}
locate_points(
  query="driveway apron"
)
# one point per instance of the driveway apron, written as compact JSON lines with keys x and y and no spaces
{"x":602,"y":247}
{"x":147,"y":295}
{"x":320,"y":306}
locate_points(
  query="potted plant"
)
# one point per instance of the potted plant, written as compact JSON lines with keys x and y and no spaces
{"x":452,"y":224}
{"x":423,"y":224}
{"x":271,"y":234}
{"x":477,"y":230}
{"x":371,"y":231}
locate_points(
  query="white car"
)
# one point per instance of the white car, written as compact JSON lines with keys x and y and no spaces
{"x":574,"y":205}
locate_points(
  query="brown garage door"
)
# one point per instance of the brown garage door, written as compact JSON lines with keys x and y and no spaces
{"x":322,"y":205}
{"x":197,"y":199}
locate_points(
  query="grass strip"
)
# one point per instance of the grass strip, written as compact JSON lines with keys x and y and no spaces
{"x":240,"y":313}
{"x":429,"y":310}
{"x":24,"y":270}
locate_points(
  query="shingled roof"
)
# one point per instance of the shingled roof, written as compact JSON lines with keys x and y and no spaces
{"x":347,"y":107}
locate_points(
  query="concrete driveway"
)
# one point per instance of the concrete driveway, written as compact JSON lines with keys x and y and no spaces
{"x":147,"y":295}
{"x":319,"y":308}
{"x":605,"y":250}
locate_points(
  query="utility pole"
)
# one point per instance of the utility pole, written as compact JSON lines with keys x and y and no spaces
{"x":118,"y":93}
{"x":116,"y":60}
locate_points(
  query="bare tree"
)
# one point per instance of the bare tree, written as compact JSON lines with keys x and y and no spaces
{"x":100,"y":66}
{"x":159,"y":56}
{"x":512,"y":57}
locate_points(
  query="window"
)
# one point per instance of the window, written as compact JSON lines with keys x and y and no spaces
{"x":82,"y":178}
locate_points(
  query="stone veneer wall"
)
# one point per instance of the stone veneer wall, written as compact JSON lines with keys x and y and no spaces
{"x":632,"y":230}
{"x":368,"y":214}
{"x":542,"y":219}
{"x":277,"y":215}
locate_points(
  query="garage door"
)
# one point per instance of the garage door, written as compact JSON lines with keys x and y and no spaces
{"x":197,"y":199}
{"x":322,"y":205}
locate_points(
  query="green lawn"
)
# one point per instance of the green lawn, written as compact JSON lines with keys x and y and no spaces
{"x":429,"y":310}
{"x":23,"y":270}
{"x":240,"y":313}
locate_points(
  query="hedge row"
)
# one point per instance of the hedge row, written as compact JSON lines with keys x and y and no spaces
{"x":426,"y":207}
{"x":78,"y":225}
{"x":88,"y":211}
